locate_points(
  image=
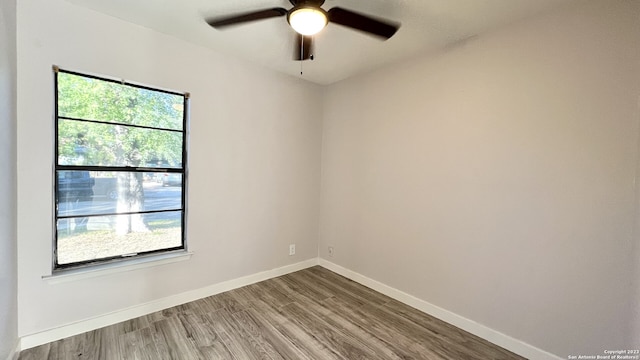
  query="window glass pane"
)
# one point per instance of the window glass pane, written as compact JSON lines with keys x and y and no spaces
{"x":119,"y":170}
{"x":93,"y":193}
{"x":93,"y":99}
{"x":93,"y":144}
{"x":75,"y":189}
{"x":86,"y":239}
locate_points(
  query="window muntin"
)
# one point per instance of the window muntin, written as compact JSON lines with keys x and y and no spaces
{"x":120,"y":170}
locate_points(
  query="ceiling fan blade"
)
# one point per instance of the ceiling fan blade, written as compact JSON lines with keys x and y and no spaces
{"x":362,"y":22}
{"x":303,"y":49}
{"x":242,"y":18}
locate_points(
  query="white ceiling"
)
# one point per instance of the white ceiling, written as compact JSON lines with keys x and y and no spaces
{"x":340,"y":52}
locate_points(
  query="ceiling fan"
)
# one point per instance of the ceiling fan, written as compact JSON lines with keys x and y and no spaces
{"x":307,"y":18}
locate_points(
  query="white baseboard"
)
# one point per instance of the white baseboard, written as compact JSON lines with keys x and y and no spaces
{"x":519,"y":347}
{"x":516,"y":346}
{"x":13,"y":355}
{"x":115,"y":317}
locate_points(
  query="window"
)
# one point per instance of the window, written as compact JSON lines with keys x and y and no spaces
{"x":120,"y":170}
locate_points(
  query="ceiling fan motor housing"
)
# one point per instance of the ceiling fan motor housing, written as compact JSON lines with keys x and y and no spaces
{"x":314,"y":3}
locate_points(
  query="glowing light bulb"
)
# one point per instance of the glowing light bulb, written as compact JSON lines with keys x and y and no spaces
{"x":308,"y":21}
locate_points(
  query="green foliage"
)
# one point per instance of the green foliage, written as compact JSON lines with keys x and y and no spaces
{"x":115,"y":144}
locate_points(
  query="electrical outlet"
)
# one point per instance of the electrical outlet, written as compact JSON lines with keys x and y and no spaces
{"x":292,"y":249}
{"x":330,"y":251}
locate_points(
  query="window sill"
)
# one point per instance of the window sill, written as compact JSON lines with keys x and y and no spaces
{"x":63,"y":276}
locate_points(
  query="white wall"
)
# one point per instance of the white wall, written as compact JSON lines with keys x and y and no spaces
{"x":254,"y":161}
{"x":496,"y":179}
{"x":8,"y":265}
{"x":634,"y":334}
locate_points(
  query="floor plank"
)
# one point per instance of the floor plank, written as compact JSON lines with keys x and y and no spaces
{"x":138,"y":345}
{"x":234,"y":338}
{"x":284,"y":346}
{"x":313,"y":314}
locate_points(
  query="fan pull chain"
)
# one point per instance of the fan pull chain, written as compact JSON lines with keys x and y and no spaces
{"x":301,"y":54}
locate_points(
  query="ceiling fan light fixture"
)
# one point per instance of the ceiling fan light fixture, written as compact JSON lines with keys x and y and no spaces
{"x":307,"y":20}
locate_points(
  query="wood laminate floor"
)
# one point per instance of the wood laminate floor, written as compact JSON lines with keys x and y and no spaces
{"x":311,"y":314}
